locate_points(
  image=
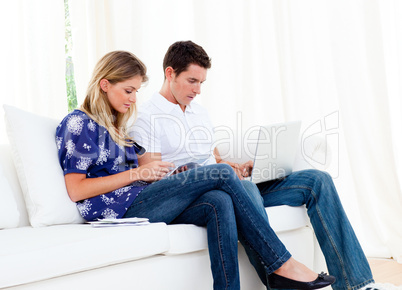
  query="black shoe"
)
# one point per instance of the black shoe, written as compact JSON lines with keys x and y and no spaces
{"x":279,"y":282}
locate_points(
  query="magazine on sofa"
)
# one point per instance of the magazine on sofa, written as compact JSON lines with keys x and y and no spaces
{"x":110,"y":222}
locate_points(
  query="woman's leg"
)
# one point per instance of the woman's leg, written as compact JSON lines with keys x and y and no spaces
{"x":166,"y":199}
{"x":256,"y":198}
{"x":343,"y":253}
{"x":214,"y":210}
{"x":208,"y":210}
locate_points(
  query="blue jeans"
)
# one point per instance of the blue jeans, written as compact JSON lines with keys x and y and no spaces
{"x":343,"y":253}
{"x":258,"y":201}
{"x":214,"y":197}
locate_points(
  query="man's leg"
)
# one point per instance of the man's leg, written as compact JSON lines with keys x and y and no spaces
{"x":343,"y":253}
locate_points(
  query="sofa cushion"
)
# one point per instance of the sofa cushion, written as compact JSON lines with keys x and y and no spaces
{"x":10,"y":174}
{"x":285,"y":218}
{"x":191,"y":238}
{"x":9,"y":215}
{"x":34,"y":150}
{"x":34,"y":254}
{"x":186,"y":239}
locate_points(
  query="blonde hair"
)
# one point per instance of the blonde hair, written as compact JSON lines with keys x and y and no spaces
{"x":116,"y":66}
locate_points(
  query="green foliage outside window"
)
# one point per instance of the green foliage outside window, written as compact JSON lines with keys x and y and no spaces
{"x":70,"y":82}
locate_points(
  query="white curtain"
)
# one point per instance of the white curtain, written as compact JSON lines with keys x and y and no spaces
{"x":335,"y":65}
{"x":32,"y":58}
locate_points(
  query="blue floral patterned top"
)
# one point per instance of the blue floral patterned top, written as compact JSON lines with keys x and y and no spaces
{"x":86,"y":147}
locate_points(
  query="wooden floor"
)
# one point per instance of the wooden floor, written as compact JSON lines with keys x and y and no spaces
{"x":386,"y":271}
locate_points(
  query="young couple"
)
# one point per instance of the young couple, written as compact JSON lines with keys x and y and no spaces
{"x":94,"y":142}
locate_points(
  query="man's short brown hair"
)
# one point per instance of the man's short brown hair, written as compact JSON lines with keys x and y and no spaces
{"x":181,"y":54}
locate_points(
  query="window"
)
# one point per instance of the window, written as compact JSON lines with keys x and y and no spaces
{"x":70,"y":82}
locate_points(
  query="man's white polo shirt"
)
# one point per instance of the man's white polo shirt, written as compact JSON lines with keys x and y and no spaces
{"x":180,"y":137}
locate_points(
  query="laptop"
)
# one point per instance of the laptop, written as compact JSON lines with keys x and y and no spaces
{"x":275,"y":151}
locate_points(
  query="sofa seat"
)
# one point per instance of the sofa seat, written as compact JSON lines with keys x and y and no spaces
{"x":36,"y":254}
{"x":32,"y":254}
{"x":186,"y":239}
{"x":279,"y":221}
{"x":190,"y":238}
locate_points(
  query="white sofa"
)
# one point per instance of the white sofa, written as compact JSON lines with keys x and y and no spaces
{"x":44,"y":244}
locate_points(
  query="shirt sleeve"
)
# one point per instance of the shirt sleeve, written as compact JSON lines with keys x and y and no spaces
{"x":146,"y":133}
{"x":77,"y":140}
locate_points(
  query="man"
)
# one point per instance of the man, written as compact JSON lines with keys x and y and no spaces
{"x":174,"y":128}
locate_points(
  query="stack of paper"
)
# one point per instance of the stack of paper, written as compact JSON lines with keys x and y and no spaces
{"x":134,"y":221}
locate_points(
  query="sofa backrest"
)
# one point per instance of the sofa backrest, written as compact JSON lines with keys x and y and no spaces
{"x":10,"y":174}
{"x":32,"y":186}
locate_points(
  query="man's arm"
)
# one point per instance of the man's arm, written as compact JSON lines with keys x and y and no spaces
{"x":242,"y":170}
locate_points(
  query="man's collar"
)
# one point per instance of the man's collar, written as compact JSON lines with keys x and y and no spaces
{"x":167,"y":107}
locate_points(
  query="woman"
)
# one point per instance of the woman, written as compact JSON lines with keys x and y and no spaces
{"x":103,"y":177}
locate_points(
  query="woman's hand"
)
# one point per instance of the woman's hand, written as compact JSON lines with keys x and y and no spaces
{"x":79,"y":187}
{"x":151,"y":171}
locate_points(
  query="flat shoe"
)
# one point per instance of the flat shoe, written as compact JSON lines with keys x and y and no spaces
{"x":279,"y":282}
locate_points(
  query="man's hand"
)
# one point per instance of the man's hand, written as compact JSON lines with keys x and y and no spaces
{"x":246,"y":168}
{"x":241,"y":170}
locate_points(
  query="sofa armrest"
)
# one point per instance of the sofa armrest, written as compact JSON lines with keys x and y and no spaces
{"x":10,"y":174}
